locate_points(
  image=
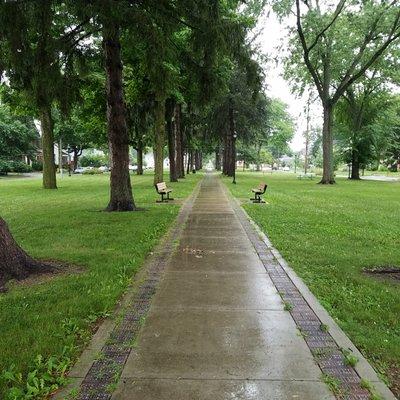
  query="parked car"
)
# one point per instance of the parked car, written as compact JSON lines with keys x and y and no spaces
{"x":80,"y":170}
{"x":133,"y":168}
{"x":103,"y":168}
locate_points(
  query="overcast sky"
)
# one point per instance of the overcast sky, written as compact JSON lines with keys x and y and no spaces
{"x":273,"y":35}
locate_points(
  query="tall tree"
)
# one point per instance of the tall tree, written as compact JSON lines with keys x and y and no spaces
{"x":337,"y":44}
{"x":38,"y":44}
{"x":18,"y":135}
{"x":121,"y":198}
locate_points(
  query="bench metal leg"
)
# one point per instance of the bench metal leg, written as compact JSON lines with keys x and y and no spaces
{"x":163,"y":200}
{"x":169,"y":198}
{"x":257,"y":198}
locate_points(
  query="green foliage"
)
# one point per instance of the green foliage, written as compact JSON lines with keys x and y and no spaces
{"x":18,"y":135}
{"x":288,"y":306}
{"x":333,"y":383}
{"x":14,"y":166}
{"x":44,"y":376}
{"x":20,"y":167}
{"x":281,"y":128}
{"x":349,"y":358}
{"x":37,"y":166}
{"x":94,"y":171}
{"x":93,"y":160}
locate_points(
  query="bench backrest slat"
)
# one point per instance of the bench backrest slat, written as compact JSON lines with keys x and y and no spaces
{"x":262,"y":187}
{"x":161,"y":186}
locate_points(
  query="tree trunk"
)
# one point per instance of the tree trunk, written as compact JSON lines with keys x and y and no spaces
{"x":217,"y":159}
{"x":76,"y":158}
{"x":189,"y":162}
{"x":15,"y":263}
{"x":171,"y":134}
{"x":232,"y":135}
{"x":139,"y":152}
{"x":197,"y":160}
{"x":355,"y":165}
{"x":327,"y":146}
{"x":180,"y":167}
{"x":258,"y":165}
{"x":225,"y":153}
{"x":121,"y":198}
{"x":159,"y":141}
{"x":49,"y":167}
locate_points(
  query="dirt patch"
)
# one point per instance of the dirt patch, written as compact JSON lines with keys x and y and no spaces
{"x":388,"y":272}
{"x":57,"y":268}
{"x":394,"y":378}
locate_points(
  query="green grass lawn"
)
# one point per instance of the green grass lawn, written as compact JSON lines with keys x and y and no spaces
{"x":328,"y":234}
{"x":54,"y":317}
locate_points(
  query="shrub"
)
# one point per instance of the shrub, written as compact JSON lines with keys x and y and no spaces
{"x":5,"y":167}
{"x":14,"y":166}
{"x":37,"y":166}
{"x":94,"y":171}
{"x":93,"y":161}
{"x":20,"y":167}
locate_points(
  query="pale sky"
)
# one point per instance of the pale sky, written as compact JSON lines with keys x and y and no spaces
{"x":273,"y":34}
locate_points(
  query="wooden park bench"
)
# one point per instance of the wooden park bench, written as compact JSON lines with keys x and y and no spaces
{"x":306,"y":176}
{"x":163,"y":191}
{"x":262,"y":187}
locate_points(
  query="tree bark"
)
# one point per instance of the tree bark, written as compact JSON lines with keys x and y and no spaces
{"x":139,"y":151}
{"x":355,"y":165}
{"x":189,"y":162}
{"x":232,"y":134}
{"x":171,"y":134}
{"x":225,"y":155}
{"x":159,"y":141}
{"x":121,"y":198}
{"x":258,"y":166}
{"x":49,"y":167}
{"x":197,"y":160}
{"x":15,"y":263}
{"x":180,"y":167}
{"x":327,"y":146}
{"x":76,"y":158}
{"x":77,"y":152}
{"x":218,"y":159}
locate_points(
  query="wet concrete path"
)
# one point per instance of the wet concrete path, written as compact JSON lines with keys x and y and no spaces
{"x":217,"y":329}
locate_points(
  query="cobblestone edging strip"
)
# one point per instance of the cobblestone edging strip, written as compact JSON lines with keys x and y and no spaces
{"x":344,"y":380}
{"x":100,"y":378}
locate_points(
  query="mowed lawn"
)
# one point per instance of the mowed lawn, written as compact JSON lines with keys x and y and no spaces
{"x":328,"y":234}
{"x":56,"y":315}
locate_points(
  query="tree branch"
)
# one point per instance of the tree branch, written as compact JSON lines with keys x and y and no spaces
{"x":306,"y":54}
{"x":338,"y":10}
{"x":348,"y":79}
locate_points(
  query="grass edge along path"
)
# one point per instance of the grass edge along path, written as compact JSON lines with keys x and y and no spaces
{"x":45,"y":326}
{"x":328,"y":234}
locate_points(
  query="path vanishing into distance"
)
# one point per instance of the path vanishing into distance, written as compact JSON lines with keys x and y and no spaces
{"x":217,"y":317}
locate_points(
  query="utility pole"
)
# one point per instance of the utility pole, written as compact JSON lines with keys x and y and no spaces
{"x":69,"y":161}
{"x":234,"y":157}
{"x":307,"y":134}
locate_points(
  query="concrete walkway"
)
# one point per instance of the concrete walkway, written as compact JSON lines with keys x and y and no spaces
{"x":217,"y":328}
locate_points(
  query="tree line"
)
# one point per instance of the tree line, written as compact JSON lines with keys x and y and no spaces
{"x":179,"y":75}
{"x":346,"y":53}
